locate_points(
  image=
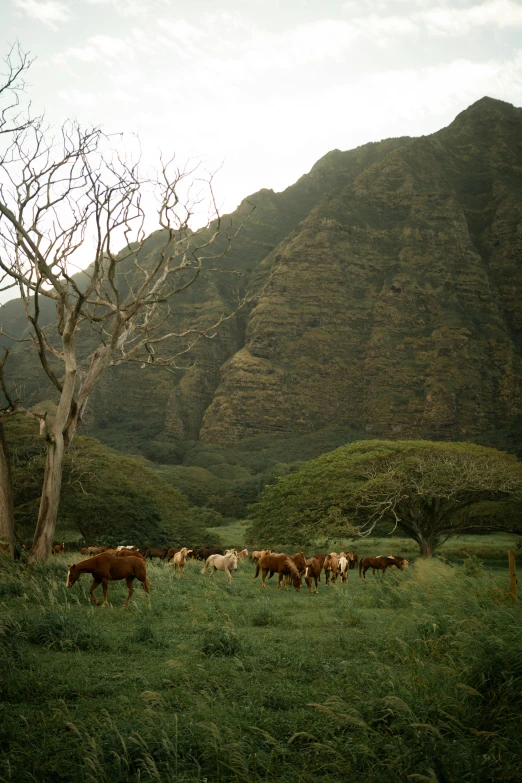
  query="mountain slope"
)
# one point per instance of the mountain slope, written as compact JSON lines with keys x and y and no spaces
{"x":388,"y":302}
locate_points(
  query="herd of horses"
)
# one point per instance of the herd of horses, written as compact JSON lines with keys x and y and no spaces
{"x":130,"y":563}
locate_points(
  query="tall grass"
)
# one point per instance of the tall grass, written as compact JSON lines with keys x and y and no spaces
{"x":416,"y":676}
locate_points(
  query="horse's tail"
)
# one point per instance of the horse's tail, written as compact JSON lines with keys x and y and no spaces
{"x":360,"y":566}
{"x":206,"y":564}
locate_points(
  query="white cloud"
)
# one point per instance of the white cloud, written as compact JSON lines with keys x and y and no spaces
{"x":50,"y":12}
{"x":459,"y":21}
{"x":441,"y":19}
{"x":131,"y":8}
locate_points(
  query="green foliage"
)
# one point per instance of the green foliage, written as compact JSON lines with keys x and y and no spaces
{"x":208,"y":517}
{"x":413,"y":676}
{"x":429,"y":490}
{"x":197,"y":484}
{"x":165,"y":451}
{"x":204,"y":459}
{"x":108,"y":497}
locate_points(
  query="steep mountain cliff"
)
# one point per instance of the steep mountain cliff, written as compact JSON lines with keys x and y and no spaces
{"x":389,"y":302}
{"x":395,"y":307}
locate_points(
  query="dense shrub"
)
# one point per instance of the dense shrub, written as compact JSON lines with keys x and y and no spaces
{"x":203,"y":459}
{"x":197,"y":484}
{"x":164,"y":451}
{"x":208,"y":517}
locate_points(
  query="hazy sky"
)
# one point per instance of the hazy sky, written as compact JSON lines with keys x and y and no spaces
{"x":267,"y":87}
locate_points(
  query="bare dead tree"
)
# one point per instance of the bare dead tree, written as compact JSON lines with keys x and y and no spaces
{"x":59,"y":196}
{"x":15,"y":116}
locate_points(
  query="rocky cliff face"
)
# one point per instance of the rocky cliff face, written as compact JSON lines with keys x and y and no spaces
{"x":388,"y":301}
{"x":395,"y":307}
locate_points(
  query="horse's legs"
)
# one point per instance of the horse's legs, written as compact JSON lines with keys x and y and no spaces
{"x":263,"y":577}
{"x":105,"y":583}
{"x":146,"y":587}
{"x":228,"y":574}
{"x":214,"y":569}
{"x":128,"y":581}
{"x":95,"y":583}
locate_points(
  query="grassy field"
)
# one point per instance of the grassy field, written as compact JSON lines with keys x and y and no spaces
{"x":416,"y":676}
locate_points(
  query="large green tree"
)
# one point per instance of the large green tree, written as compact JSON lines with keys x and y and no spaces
{"x":428,"y":490}
{"x":107,"y":497}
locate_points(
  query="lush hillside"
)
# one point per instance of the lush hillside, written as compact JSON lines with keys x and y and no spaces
{"x":389,"y":305}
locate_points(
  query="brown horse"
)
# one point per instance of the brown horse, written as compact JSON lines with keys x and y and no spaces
{"x":313,"y":571}
{"x":109,"y":568}
{"x":93,"y":550}
{"x":378,"y":564}
{"x":331,"y":567}
{"x":161,"y":553}
{"x":57,"y":548}
{"x":129,"y":553}
{"x":280,"y":565}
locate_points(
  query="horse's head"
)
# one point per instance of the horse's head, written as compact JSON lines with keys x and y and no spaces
{"x":72,"y":575}
{"x":296,"y":581}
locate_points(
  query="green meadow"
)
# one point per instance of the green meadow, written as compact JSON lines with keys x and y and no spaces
{"x":414,"y":676}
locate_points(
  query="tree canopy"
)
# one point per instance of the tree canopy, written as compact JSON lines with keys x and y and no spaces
{"x":109,"y":498}
{"x":427,"y":490}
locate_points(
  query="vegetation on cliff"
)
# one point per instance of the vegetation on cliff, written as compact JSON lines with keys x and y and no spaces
{"x":429,"y":491}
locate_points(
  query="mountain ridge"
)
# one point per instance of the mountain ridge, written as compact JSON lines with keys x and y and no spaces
{"x":388,"y":302}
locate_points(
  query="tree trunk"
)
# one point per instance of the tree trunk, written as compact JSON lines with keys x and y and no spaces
{"x":58,"y":435}
{"x":426,"y":546}
{"x":6,"y":499}
{"x":49,"y":501}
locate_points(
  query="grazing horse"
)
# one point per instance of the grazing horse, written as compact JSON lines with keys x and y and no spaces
{"x":92,"y":550}
{"x":403,"y":562}
{"x":161,"y":553}
{"x":57,"y":548}
{"x":278,"y":564}
{"x":312,"y":571}
{"x":343,"y":567}
{"x":129,"y":553}
{"x":226,"y":563}
{"x":331,"y":566}
{"x":378,"y":564}
{"x":109,"y":568}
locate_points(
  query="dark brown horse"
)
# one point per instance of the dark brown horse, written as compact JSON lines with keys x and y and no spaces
{"x":378,"y":564}
{"x":57,"y":548}
{"x":161,"y":553}
{"x":313,"y":571}
{"x":109,"y":568}
{"x":280,"y":565}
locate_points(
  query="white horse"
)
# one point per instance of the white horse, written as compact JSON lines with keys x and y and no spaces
{"x":226,"y":563}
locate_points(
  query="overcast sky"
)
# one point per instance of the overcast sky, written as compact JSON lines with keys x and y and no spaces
{"x":266,"y":87}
